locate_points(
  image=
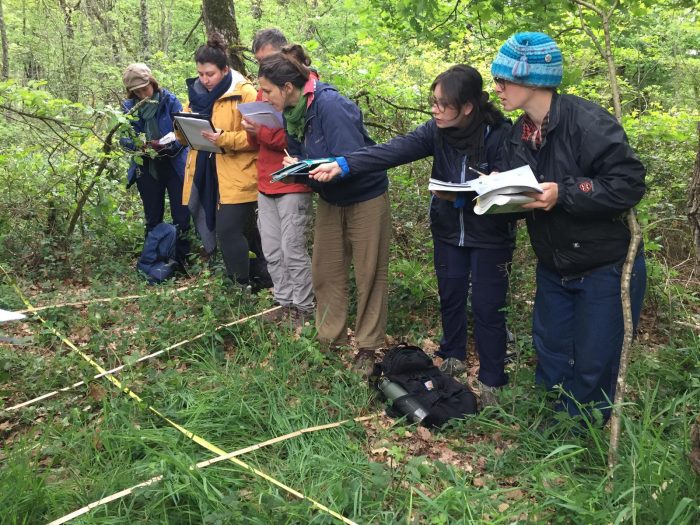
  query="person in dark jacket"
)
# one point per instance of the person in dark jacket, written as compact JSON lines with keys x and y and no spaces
{"x":591,"y":180}
{"x":353,"y":217}
{"x":466,"y":131}
{"x":163,"y":165}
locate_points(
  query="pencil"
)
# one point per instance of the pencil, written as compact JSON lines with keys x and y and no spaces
{"x":286,"y":152}
{"x":478,"y":172}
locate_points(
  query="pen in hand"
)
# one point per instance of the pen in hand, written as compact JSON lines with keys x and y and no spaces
{"x":478,"y":172}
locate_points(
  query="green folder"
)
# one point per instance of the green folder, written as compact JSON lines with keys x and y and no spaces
{"x":302,"y":168}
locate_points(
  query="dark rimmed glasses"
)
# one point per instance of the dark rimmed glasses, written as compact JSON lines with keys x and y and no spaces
{"x":441,"y":105}
{"x":500,"y":82}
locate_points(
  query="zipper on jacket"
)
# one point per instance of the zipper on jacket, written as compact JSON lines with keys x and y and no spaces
{"x":461,"y":210}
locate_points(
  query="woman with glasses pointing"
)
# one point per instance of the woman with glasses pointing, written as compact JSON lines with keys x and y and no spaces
{"x":465,"y":134}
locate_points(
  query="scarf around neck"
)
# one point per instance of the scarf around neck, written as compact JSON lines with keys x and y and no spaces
{"x":201,"y":100}
{"x":294,"y":117}
{"x":149,"y":113}
{"x":469,"y":139}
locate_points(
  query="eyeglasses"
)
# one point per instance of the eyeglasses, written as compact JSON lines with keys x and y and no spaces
{"x":500,"y":82}
{"x":441,"y":105}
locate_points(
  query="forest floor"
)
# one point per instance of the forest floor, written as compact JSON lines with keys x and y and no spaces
{"x":249,"y":382}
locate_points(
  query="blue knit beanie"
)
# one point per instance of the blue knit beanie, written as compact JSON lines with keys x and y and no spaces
{"x":531,"y":59}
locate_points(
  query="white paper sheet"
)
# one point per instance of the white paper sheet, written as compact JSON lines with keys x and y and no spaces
{"x":6,"y":315}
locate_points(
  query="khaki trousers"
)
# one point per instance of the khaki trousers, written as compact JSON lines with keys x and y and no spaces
{"x":359,"y":233}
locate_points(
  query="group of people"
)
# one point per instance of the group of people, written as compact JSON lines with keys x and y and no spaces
{"x":589,"y":175}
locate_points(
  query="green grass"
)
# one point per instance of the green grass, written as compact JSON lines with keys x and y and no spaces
{"x":250,"y":383}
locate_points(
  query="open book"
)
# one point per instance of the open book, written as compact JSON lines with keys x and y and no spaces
{"x":261,"y":113}
{"x":497,"y":193}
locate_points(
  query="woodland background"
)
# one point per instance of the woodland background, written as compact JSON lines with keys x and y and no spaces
{"x":70,"y":231}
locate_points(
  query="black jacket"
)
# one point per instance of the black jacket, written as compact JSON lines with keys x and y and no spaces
{"x":333,"y":127}
{"x":456,"y":226}
{"x":585,"y":151}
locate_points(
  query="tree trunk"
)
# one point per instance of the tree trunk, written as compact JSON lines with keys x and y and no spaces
{"x":220,"y":17}
{"x":694,"y":204}
{"x":5,"y":74}
{"x":256,"y":10}
{"x":145,"y":40}
{"x":100,"y":10}
{"x":612,"y":70}
{"x":605,"y":52}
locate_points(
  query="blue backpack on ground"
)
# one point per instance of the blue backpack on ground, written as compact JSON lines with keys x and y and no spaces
{"x":157,"y":261}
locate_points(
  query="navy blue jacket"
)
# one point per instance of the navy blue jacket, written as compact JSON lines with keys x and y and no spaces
{"x":455,"y":226}
{"x":175,"y":154}
{"x":585,"y":151}
{"x":334,"y":128}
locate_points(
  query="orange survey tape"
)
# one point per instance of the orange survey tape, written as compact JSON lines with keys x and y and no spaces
{"x":192,"y":436}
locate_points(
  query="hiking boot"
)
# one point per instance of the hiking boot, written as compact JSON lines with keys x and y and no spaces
{"x":363,"y":363}
{"x":453,"y":366}
{"x":299,"y":317}
{"x":488,"y":395}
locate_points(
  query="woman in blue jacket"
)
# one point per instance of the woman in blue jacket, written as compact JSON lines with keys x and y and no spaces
{"x":465,"y":134}
{"x":163,"y":171}
{"x":353,"y":217}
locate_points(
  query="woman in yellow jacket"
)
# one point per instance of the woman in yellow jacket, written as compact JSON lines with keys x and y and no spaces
{"x":221,"y":189}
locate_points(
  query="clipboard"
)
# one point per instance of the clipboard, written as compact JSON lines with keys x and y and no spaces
{"x":262,"y":113}
{"x":191,"y":126}
{"x":302,"y":167}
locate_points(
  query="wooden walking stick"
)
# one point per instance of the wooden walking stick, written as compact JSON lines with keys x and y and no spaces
{"x":627,"y":341}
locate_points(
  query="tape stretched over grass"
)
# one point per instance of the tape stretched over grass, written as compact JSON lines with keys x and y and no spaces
{"x":191,"y":435}
{"x":204,"y":464}
{"x":33,"y":309}
{"x":144,"y":358}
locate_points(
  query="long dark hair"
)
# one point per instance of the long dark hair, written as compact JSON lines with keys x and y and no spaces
{"x":213,"y":52}
{"x":462,"y":84}
{"x":291,"y":65}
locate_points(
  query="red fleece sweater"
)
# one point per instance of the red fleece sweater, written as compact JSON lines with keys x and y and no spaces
{"x":271,"y":144}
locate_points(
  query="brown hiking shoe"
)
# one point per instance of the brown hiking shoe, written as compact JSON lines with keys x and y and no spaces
{"x":363,"y":363}
{"x":299,"y":317}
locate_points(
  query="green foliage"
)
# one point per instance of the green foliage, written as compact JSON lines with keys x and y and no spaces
{"x":243,"y":385}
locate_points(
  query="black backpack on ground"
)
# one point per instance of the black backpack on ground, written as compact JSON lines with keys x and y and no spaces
{"x":442,"y":396}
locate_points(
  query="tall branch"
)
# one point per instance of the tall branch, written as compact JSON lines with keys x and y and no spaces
{"x":605,"y":51}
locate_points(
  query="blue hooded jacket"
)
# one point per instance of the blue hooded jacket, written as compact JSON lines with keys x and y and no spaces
{"x":174,"y":152}
{"x":333,"y":128}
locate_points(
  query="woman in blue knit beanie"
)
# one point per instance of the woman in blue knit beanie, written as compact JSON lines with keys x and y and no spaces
{"x":591,"y":179}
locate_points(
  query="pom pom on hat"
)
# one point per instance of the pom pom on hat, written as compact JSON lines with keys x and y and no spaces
{"x":530,"y":59}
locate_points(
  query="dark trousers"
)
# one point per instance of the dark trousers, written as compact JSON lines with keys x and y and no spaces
{"x":578,"y":331}
{"x":487,"y":269}
{"x":152,"y":193}
{"x":232,"y":223}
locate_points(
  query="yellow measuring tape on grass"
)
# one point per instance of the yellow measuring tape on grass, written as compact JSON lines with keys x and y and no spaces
{"x":191,"y":435}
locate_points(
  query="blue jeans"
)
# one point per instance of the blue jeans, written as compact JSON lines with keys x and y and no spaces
{"x":455,"y":266}
{"x":152,"y":193}
{"x":578,"y":332}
